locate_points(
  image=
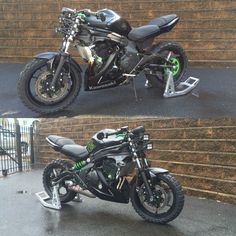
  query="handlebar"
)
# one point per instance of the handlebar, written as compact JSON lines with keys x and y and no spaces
{"x":98,"y":15}
{"x":135,"y":131}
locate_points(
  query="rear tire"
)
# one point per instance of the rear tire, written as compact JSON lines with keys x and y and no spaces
{"x":48,"y":175}
{"x":162,"y":218}
{"x":30,"y":100}
{"x":181,"y":62}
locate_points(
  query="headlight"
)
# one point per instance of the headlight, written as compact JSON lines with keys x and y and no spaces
{"x":146,"y":137}
{"x":149,"y":146}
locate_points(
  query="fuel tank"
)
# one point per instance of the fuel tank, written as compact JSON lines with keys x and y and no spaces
{"x":95,"y":144}
{"x":113,"y":22}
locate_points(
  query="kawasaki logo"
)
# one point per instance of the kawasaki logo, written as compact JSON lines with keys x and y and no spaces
{"x":102,"y":86}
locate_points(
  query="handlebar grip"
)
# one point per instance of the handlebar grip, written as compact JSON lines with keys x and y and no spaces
{"x":110,"y":134}
{"x":88,"y":12}
{"x":101,"y":16}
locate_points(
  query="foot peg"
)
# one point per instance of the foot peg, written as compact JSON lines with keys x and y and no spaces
{"x":182,"y":89}
{"x":45,"y":199}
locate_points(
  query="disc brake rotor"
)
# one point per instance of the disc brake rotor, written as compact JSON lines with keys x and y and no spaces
{"x":162,"y":199}
{"x":45,"y":93}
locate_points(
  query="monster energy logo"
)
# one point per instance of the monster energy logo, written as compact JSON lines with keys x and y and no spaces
{"x":90,"y":146}
{"x":102,"y":86}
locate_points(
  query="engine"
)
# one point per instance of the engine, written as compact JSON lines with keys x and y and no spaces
{"x":110,"y":169}
{"x":129,"y":59}
{"x":117,"y":166}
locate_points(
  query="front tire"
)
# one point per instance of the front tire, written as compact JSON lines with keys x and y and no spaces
{"x":54,"y":168}
{"x":156,"y":214}
{"x":34,"y":92}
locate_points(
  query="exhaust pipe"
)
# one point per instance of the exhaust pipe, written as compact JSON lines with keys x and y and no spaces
{"x":78,"y":189}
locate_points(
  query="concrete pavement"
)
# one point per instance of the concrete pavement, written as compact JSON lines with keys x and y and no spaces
{"x":22,"y":214}
{"x":214,"y":97}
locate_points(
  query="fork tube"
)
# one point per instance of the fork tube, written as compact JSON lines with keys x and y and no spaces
{"x":144,"y":177}
{"x":58,"y":70}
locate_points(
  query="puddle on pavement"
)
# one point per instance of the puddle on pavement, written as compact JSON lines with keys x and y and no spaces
{"x":195,"y":93}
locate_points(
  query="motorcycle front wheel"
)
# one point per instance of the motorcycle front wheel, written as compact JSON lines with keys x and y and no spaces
{"x":168,"y":199}
{"x":34,"y":87}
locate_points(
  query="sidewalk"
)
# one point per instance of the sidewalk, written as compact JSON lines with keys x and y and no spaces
{"x":21,"y":214}
{"x":214,"y":97}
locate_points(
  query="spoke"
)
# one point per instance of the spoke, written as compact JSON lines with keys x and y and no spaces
{"x":169,"y":55}
{"x":54,"y":172}
{"x":156,"y":212}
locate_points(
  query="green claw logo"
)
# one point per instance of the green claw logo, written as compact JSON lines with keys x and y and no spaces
{"x":90,"y":146}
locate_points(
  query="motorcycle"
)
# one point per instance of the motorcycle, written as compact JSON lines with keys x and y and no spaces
{"x":115,"y":52}
{"x":104,"y":169}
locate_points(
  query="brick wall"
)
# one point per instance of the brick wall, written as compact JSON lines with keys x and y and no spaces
{"x":201,"y":153}
{"x":207,"y":29}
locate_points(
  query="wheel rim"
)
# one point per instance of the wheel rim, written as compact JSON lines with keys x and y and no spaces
{"x":40,"y":91}
{"x":175,"y":61}
{"x":163,"y":199}
{"x":62,"y":189}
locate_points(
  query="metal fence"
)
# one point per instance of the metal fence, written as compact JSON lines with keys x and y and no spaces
{"x":16,"y":148}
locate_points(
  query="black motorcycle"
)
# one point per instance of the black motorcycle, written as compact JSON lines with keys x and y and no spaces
{"x":115,"y":52}
{"x":104,"y":169}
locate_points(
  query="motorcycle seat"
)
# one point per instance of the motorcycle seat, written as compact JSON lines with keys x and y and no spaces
{"x":59,"y":141}
{"x":163,"y":20}
{"x":78,"y":152}
{"x":153,"y":28}
{"x":143,"y":32}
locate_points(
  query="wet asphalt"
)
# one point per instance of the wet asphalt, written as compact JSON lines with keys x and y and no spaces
{"x":22,"y":214}
{"x":214,"y":97}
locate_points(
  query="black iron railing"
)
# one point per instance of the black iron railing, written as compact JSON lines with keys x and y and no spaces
{"x":16,"y":148}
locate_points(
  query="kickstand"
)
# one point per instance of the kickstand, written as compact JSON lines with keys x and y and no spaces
{"x":78,"y":198}
{"x":134,"y":88}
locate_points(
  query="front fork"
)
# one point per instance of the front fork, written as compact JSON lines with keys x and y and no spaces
{"x":141,"y":169}
{"x":145,"y":179}
{"x":63,"y":58}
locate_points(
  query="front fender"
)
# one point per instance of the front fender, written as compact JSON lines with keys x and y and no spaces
{"x":153,"y":171}
{"x":46,"y":55}
{"x":52,"y":55}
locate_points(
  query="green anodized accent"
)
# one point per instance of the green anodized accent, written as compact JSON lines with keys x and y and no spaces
{"x":176,"y":63}
{"x":99,"y":59}
{"x":121,"y":135}
{"x":80,"y":14}
{"x":79,"y":165}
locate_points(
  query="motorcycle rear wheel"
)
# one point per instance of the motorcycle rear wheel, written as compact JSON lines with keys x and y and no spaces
{"x":54,"y":168}
{"x":177,"y":56}
{"x":164,"y":186}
